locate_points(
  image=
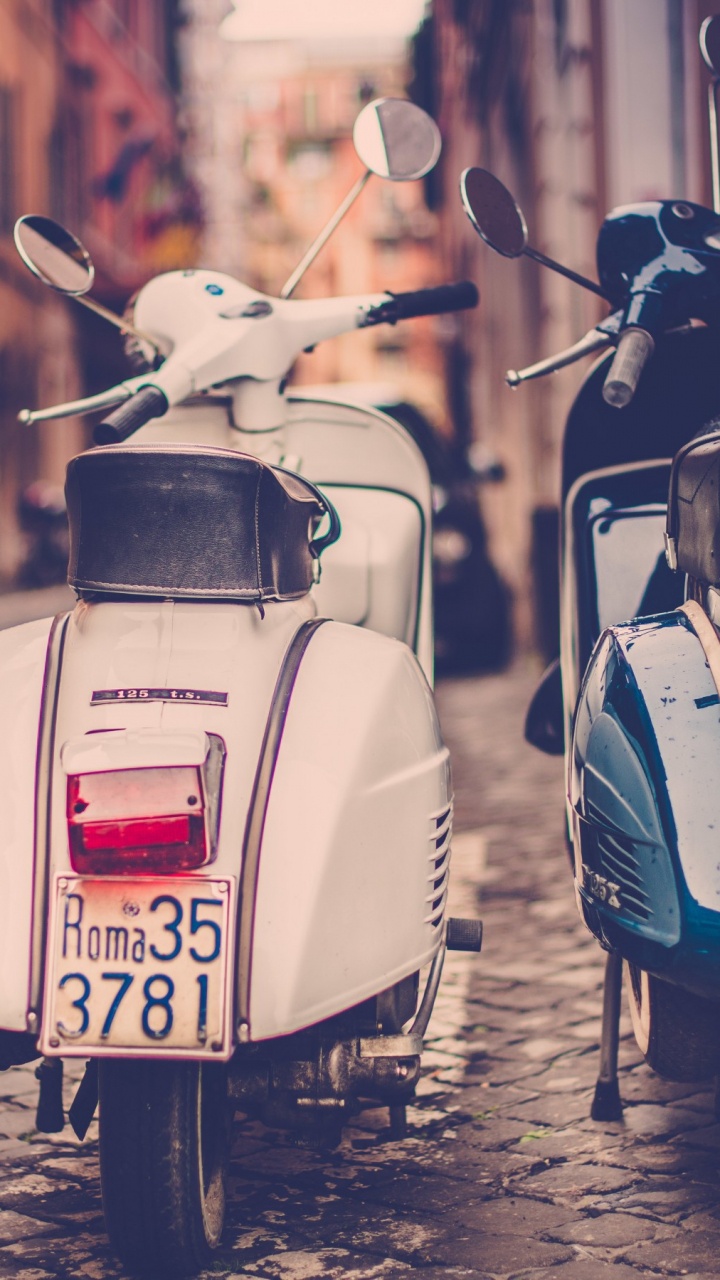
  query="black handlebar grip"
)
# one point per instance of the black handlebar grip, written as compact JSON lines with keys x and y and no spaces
{"x":435,"y":302}
{"x":633,"y":352}
{"x":147,"y":403}
{"x":424,"y":302}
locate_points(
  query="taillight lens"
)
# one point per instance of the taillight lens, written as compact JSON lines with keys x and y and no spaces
{"x":137,"y":820}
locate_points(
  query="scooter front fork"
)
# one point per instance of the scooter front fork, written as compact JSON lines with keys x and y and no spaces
{"x":607,"y":1104}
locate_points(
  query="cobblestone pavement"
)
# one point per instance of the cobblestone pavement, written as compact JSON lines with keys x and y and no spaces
{"x":502,"y":1174}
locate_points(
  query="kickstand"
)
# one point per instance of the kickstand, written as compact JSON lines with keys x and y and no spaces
{"x":606,"y":1104}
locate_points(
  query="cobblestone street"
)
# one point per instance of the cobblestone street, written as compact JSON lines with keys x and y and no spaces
{"x":502,"y":1174}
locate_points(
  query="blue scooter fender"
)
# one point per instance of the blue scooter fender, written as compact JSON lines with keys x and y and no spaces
{"x":643,"y":786}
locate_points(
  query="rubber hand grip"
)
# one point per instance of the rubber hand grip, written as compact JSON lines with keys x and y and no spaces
{"x":147,"y":403}
{"x":633,"y":352}
{"x":423,"y":302}
{"x":435,"y":302}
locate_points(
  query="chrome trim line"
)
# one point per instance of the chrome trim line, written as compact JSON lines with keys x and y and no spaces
{"x":257,"y":813}
{"x":422,"y":1017}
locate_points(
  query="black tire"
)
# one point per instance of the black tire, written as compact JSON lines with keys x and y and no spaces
{"x":164,"y":1144}
{"x":677,"y":1032}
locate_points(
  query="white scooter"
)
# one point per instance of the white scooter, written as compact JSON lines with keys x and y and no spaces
{"x":227,"y":805}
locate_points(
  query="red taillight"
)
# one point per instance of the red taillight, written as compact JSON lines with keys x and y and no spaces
{"x":136,"y":834}
{"x":135,"y":820}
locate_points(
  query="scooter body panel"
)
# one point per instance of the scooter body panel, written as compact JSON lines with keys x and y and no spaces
{"x":23,"y":652}
{"x":141,"y":684}
{"x":354,"y":855}
{"x":378,"y":574}
{"x":354,"y":860}
{"x":371,"y":576}
{"x":643,"y":798}
{"x":613,"y":560}
{"x":612,"y":464}
{"x":366,"y":852}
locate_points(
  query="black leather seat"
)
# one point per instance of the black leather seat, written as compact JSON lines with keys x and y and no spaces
{"x":199,"y":522}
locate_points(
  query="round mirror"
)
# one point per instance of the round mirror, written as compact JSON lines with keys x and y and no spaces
{"x":710,"y":43}
{"x":396,"y":140}
{"x":493,"y":212}
{"x":54,"y":255}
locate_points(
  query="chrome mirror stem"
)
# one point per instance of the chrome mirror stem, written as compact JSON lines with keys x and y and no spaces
{"x":321,"y":239}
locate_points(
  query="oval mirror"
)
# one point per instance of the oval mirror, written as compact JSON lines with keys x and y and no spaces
{"x":396,"y":139}
{"x":54,"y":255}
{"x":493,"y":212}
{"x":710,"y":43}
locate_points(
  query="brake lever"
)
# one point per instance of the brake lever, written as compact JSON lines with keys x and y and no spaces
{"x":596,"y":339}
{"x":604,"y":333}
{"x":103,"y":400}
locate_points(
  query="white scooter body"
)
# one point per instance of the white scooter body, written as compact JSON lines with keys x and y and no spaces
{"x":227,"y":805}
{"x":349,"y":891}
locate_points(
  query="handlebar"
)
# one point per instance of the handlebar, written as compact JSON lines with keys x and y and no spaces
{"x":633,"y":352}
{"x":236,"y":340}
{"x":423,"y":302}
{"x":147,"y":403}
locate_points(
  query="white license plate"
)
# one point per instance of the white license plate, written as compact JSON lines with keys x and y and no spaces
{"x":139,"y":967}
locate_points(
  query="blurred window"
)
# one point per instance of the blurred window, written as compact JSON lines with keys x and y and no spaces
{"x":66,"y":170}
{"x":310,"y":109}
{"x":8,"y":156}
{"x":310,"y":162}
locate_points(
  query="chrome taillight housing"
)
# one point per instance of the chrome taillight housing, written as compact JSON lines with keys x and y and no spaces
{"x":150,"y":819}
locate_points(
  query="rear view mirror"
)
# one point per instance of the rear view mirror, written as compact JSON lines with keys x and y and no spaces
{"x":493,"y":212}
{"x":58,"y":258}
{"x":500,"y":221}
{"x":396,"y":139}
{"x":54,"y":255}
{"x":710,"y":43}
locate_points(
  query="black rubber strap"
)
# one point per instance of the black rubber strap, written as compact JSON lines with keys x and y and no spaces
{"x":318,"y":545}
{"x":147,"y":403}
{"x":424,"y":302}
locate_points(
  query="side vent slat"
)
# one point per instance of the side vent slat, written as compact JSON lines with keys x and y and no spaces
{"x":621,"y":865}
{"x":440,"y":836}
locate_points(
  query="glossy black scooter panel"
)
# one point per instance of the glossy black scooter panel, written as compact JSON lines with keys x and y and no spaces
{"x":654,"y":259}
{"x":677,"y":397}
{"x":643,"y":793}
{"x":614,"y":569}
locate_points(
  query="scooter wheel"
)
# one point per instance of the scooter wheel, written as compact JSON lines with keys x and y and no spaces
{"x":164,"y":1145}
{"x":677,"y":1031}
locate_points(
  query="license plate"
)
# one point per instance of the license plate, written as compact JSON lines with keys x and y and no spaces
{"x":139,"y":967}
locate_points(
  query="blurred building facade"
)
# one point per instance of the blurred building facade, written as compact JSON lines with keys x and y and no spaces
{"x":577,"y":106}
{"x":88,"y":135}
{"x":270,"y":142}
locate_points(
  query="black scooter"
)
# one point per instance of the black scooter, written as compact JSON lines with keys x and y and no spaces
{"x":635,"y":705}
